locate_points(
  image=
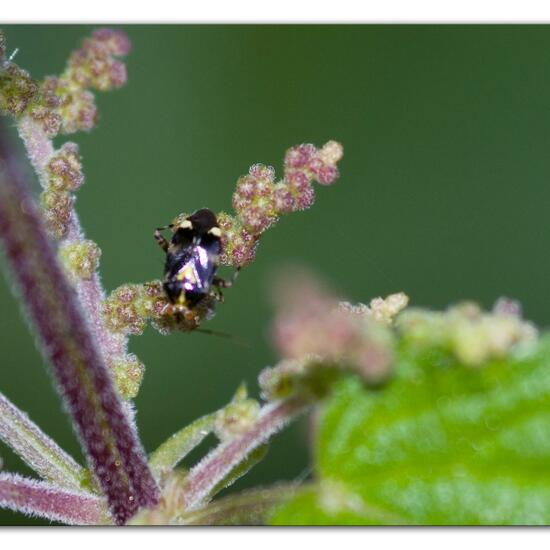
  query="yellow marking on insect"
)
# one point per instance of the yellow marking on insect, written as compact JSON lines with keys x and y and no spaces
{"x":181,"y":300}
{"x":216,"y":231}
{"x":186,"y":224}
{"x":187,"y":273}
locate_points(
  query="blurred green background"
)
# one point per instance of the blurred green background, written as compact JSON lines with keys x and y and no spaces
{"x":444,"y":188}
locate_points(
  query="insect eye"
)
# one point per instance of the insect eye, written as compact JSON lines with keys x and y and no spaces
{"x":216,"y":231}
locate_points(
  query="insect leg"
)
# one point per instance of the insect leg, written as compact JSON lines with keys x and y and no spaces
{"x":217,"y":292}
{"x":222,"y":283}
{"x":163,"y":243}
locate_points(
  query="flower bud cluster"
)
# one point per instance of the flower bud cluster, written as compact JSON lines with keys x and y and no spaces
{"x":19,"y":93}
{"x":313,"y":331}
{"x":80,"y":258}
{"x":254,"y":199}
{"x":94,"y":65}
{"x":64,"y":176}
{"x":238,"y":244}
{"x":130,"y":306}
{"x":75,"y":106}
{"x":383,"y":310}
{"x":44,"y":108}
{"x":472,"y":336}
{"x":259,"y":200}
{"x":17,"y":89}
{"x":126,"y":309}
{"x":128,"y":375}
{"x":64,"y":103}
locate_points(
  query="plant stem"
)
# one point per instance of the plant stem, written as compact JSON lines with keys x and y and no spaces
{"x":39,"y":498}
{"x":174,"y":449}
{"x":113,"y":448}
{"x":247,"y":508}
{"x":241,"y":469}
{"x":208,"y":473}
{"x":40,"y":452}
{"x":39,"y":147}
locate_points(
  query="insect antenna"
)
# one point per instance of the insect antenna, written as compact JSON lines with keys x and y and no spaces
{"x":223,"y":335}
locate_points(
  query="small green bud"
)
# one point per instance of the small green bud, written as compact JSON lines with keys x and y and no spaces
{"x":128,"y":376}
{"x":81,"y":258}
{"x":238,"y":416}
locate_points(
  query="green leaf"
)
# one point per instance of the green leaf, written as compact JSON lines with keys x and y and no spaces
{"x":439,"y":444}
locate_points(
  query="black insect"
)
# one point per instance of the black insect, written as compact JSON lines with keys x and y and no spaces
{"x":192,"y":259}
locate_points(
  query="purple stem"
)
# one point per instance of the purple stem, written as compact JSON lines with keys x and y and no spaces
{"x":40,"y":452}
{"x":39,"y":147}
{"x":114,"y":451}
{"x":43,"y":499}
{"x":208,"y":473}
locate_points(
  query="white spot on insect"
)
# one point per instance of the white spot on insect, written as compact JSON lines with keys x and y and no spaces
{"x":216,"y":231}
{"x":203,"y":256}
{"x":186,"y":224}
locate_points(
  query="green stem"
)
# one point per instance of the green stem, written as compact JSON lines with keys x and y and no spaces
{"x":223,"y":460}
{"x":256,"y":456}
{"x":174,"y":449}
{"x":247,"y":508}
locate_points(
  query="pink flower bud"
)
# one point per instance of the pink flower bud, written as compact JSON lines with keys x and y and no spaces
{"x":300,"y":156}
{"x":115,"y":41}
{"x":284,"y":199}
{"x":254,"y":199}
{"x":238,"y":244}
{"x":311,"y":324}
{"x":327,"y":175}
{"x":259,"y":200}
{"x":65,"y":169}
{"x":93,"y":65}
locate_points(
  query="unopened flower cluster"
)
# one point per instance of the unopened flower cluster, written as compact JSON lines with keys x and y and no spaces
{"x":63,"y":177}
{"x":65,"y":103}
{"x":317,"y":336}
{"x":17,"y":88}
{"x":259,"y":200}
{"x":471,"y":335}
{"x":313,"y":331}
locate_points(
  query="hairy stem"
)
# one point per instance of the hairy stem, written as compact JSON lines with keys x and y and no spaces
{"x":39,"y":149}
{"x":40,"y":452}
{"x":39,"y":498}
{"x":247,"y":508}
{"x":174,"y":449}
{"x":216,"y":466}
{"x":114,"y":450}
{"x":241,"y":469}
